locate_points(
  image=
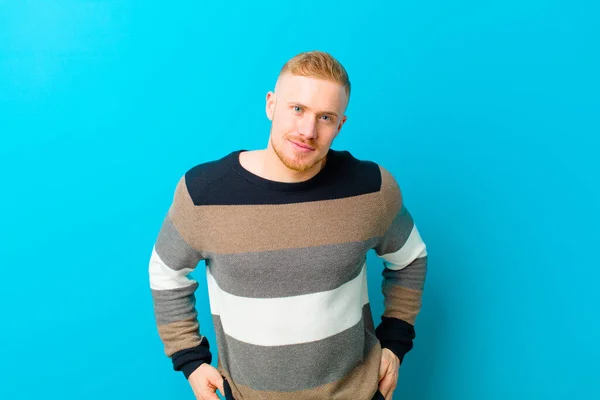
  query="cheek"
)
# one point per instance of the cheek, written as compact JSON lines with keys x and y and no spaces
{"x":284,"y":126}
{"x":326,"y":135}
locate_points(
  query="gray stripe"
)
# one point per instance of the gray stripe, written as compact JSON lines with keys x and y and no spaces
{"x":173,"y":250}
{"x":291,"y":272}
{"x":412,"y":276}
{"x":174,"y":305}
{"x":299,"y":366}
{"x":397,"y":233}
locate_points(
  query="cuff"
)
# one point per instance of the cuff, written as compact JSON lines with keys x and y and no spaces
{"x":188,"y":360}
{"x":396,"y":335}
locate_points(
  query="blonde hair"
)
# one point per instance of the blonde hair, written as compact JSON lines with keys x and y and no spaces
{"x":317,"y":64}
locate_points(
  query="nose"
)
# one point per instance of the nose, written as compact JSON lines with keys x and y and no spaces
{"x":307,"y":128}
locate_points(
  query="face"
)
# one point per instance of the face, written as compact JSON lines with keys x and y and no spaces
{"x":306,"y":114}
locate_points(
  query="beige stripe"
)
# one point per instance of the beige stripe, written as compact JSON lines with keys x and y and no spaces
{"x":360,"y":384}
{"x":179,"y":335}
{"x":401,"y":302}
{"x":237,"y":229}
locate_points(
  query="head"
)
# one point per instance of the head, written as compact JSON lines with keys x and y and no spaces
{"x":307,"y":109}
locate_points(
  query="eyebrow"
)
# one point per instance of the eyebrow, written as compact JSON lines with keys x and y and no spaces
{"x":308,"y":108}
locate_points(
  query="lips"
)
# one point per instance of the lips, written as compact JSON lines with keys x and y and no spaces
{"x":302,"y":146}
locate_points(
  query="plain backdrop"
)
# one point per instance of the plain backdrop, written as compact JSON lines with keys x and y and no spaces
{"x":487,"y":112}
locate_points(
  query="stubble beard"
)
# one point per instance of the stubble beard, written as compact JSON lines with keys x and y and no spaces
{"x":298,"y":164}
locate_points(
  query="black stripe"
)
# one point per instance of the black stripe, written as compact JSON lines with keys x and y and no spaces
{"x":226,"y":182}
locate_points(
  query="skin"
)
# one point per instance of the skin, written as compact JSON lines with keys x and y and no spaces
{"x":305,"y":112}
{"x":205,"y":381}
{"x":388,"y":373}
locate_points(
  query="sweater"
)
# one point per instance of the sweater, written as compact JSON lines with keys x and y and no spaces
{"x":286,"y":274}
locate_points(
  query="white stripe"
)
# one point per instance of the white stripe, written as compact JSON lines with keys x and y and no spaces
{"x":413,"y":248}
{"x":289,"y":320}
{"x":163,"y":277}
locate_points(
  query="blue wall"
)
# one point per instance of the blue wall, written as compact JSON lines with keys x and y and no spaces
{"x":487,"y":113}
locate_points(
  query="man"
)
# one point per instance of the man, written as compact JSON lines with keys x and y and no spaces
{"x":284,"y":232}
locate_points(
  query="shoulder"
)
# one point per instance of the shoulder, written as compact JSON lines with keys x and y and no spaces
{"x":200,"y":176}
{"x":362,"y":173}
{"x":380,"y":178}
{"x":363,"y":170}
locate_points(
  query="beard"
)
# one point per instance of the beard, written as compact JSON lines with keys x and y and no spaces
{"x":301,"y":162}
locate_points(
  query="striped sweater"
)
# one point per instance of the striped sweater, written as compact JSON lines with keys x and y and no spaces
{"x":286,"y":273}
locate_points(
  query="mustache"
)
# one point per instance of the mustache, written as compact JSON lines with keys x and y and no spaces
{"x":299,"y":139}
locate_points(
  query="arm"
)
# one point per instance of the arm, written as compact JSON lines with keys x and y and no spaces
{"x":172,"y":259}
{"x":404,"y":256}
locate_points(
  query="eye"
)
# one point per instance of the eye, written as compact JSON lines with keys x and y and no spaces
{"x":296,"y":108}
{"x":328,"y":118}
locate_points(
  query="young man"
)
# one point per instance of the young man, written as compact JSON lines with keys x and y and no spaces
{"x":284,"y":232}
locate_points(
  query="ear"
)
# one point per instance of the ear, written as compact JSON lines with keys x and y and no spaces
{"x":270,"y":106}
{"x":342,"y":122}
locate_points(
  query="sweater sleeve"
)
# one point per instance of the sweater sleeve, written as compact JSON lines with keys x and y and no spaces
{"x":404,"y":257}
{"x":173,"y":258}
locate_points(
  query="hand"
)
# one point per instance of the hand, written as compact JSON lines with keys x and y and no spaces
{"x":388,"y":373}
{"x":205,"y":381}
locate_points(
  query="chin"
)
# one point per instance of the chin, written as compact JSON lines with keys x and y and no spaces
{"x":301,"y":162}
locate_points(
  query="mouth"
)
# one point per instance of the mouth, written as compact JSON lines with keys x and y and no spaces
{"x":301,"y":146}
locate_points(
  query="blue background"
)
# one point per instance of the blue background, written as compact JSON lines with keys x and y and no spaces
{"x":486,"y":112}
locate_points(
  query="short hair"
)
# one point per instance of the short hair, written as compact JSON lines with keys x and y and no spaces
{"x":318,"y":64}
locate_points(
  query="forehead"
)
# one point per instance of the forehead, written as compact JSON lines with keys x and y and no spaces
{"x":314,"y":92}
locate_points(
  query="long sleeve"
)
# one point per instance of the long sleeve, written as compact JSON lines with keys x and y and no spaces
{"x":404,"y":257}
{"x":171,"y":262}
